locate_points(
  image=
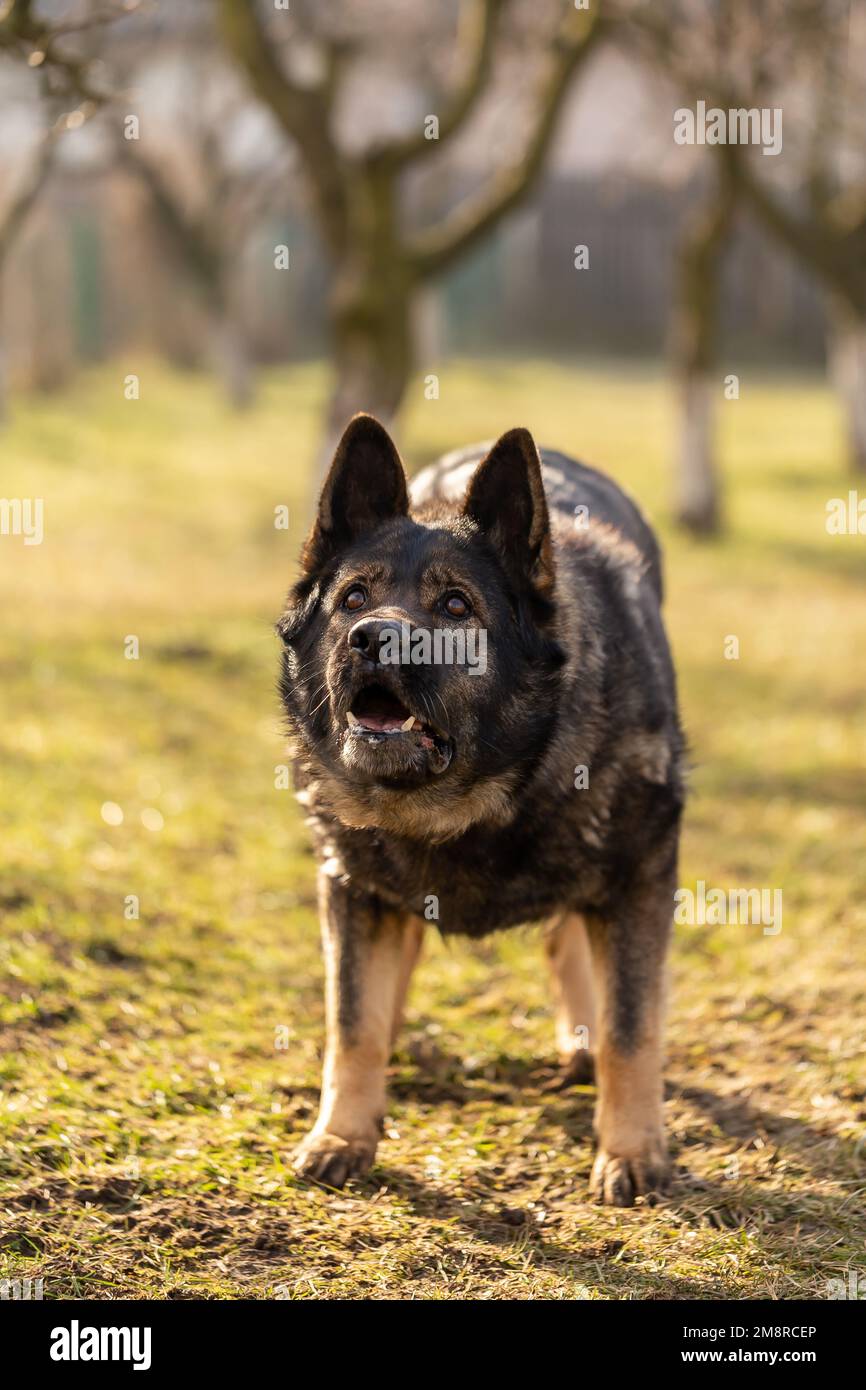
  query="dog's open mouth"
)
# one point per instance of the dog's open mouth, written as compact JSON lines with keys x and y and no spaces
{"x":377,"y":715}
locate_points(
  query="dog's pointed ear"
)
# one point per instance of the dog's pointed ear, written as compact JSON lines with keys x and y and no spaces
{"x":506,"y":501}
{"x":366,"y":485}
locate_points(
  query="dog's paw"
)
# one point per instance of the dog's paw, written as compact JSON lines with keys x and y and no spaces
{"x":579,"y":1070}
{"x":618,"y":1179}
{"x":328,"y":1159}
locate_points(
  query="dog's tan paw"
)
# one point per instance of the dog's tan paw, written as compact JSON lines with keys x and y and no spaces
{"x":328,"y":1159}
{"x":617,"y":1180}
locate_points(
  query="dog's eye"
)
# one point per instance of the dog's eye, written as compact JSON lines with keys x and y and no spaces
{"x":456,"y":606}
{"x":355,"y":599}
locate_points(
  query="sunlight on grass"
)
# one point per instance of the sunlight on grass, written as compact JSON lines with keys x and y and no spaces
{"x":147,"y":1114}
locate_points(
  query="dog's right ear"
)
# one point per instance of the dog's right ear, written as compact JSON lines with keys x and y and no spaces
{"x":365,"y":486}
{"x":506,"y":500}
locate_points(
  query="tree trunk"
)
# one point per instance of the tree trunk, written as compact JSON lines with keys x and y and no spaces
{"x":4,"y":411}
{"x":231,"y":362}
{"x":697,"y":500}
{"x":697,"y":484}
{"x":372,"y":351}
{"x":846,"y":353}
{"x":378,"y":267}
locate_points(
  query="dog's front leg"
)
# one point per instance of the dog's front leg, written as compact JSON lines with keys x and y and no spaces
{"x":364,"y":959}
{"x":629,"y":952}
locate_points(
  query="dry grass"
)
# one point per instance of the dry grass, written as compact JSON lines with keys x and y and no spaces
{"x":146,"y":1114}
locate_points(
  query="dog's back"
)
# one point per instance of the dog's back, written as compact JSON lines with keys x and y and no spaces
{"x":579,"y":498}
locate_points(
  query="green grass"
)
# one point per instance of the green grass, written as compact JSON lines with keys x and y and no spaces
{"x":147,"y":1115}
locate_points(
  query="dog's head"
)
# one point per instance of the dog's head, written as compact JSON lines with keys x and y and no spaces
{"x":420,"y":665}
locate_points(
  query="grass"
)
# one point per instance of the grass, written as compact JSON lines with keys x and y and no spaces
{"x":156,"y":1071}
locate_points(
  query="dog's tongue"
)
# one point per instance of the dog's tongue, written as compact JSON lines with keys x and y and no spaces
{"x":379,"y":711}
{"x":381,"y":723}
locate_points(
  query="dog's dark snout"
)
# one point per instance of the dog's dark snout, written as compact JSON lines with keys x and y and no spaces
{"x":370,"y":635}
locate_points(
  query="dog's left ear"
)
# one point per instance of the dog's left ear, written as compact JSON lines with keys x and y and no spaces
{"x":506,"y":500}
{"x":366,"y":485}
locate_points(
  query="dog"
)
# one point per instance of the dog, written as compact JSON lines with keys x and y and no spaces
{"x":544,"y":783}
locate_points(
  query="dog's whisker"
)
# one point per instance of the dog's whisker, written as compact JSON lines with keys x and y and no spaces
{"x":314,"y":694}
{"x":442,"y":703}
{"x":321,"y":702}
{"x":319,"y":688}
{"x":299,"y":670}
{"x":489,"y":744}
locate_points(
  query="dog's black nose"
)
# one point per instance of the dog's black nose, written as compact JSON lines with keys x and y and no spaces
{"x":374,"y":637}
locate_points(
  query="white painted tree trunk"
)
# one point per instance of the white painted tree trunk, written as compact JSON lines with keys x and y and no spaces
{"x":846,"y":351}
{"x":697,"y":495}
{"x":3,"y":385}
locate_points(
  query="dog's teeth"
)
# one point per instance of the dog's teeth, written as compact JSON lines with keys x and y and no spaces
{"x":408,"y":725}
{"x":352,"y":719}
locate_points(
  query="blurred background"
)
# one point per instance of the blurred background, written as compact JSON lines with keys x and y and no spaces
{"x":389,"y":185}
{"x":224,"y":227}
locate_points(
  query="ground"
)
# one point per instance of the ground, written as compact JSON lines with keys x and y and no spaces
{"x":157,"y":1069}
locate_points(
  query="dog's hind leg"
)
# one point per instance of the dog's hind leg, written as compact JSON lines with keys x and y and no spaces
{"x":571,"y":972}
{"x":364,"y":964}
{"x":413,"y":940}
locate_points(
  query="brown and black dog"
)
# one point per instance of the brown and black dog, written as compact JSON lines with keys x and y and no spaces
{"x":484,"y":721}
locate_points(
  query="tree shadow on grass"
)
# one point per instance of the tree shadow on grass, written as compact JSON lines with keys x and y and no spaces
{"x":722,"y":1204}
{"x":594,"y":1260}
{"x":738,"y":1118}
{"x":840,"y":788}
{"x":843,"y":561}
{"x":441,"y":1079}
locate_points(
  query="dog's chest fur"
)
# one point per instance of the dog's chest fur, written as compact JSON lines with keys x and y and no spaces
{"x":480,"y":883}
{"x":567,"y":847}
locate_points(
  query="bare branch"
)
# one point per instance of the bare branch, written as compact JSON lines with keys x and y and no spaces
{"x":17,"y":210}
{"x":722,"y":55}
{"x":432,"y":251}
{"x":476,"y":39}
{"x":840,"y":259}
{"x":303,"y":113}
{"x":37,"y":43}
{"x":701,"y":248}
{"x":188,"y":237}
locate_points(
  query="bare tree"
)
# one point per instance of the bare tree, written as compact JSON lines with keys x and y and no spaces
{"x":206,"y":201}
{"x":700,"y":256}
{"x":678,"y":42}
{"x":807,"y":58}
{"x":12,"y":218}
{"x":51,"y":50}
{"x":846,"y":360}
{"x":378,"y":264}
{"x":822,"y":222}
